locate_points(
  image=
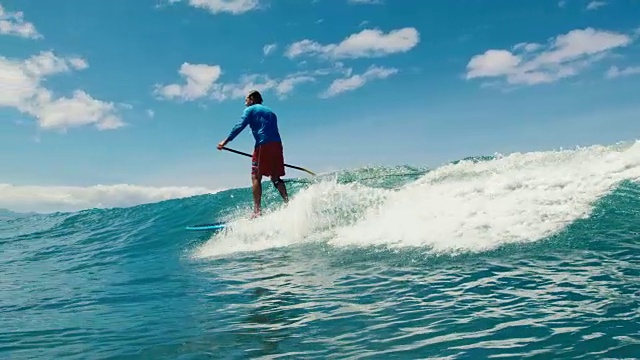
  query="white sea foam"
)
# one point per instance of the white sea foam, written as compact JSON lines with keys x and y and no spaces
{"x":466,"y":206}
{"x":313,"y":214}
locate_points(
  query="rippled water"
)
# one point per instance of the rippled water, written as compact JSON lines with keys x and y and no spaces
{"x":572,"y":303}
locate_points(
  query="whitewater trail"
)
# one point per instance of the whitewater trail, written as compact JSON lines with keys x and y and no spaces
{"x":467,"y":206}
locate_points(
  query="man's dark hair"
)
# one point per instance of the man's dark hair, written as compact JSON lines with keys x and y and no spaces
{"x":255,"y":96}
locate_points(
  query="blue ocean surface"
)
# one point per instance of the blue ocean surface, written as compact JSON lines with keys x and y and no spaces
{"x":526,"y":256}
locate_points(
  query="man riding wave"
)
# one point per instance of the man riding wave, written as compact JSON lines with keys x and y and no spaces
{"x":268,"y":155}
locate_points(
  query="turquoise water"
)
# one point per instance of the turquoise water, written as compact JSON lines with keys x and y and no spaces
{"x":531,"y":255}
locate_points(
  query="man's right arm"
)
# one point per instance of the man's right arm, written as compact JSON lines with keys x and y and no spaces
{"x":237,"y":129}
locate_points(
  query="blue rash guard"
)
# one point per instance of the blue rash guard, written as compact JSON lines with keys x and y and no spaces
{"x":263,"y":123}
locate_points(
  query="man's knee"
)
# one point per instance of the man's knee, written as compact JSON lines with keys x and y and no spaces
{"x":277,"y":182}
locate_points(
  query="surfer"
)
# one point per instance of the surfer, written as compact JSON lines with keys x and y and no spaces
{"x":268,"y":158}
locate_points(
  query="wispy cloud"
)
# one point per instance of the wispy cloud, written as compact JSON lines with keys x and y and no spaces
{"x":615,"y":72}
{"x":564,"y":56}
{"x":202,"y":82}
{"x":356,"y":81}
{"x":373,"y":2}
{"x":235,"y":7}
{"x":593,"y":5}
{"x":13,"y":23}
{"x":239,"y":89}
{"x":367,"y":43}
{"x":269,"y":48}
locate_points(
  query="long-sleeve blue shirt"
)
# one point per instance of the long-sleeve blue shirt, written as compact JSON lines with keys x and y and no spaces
{"x":262,"y":121}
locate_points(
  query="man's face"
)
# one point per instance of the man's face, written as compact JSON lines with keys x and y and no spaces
{"x":247,"y":101}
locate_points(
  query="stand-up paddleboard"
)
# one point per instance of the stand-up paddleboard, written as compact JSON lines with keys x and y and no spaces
{"x":212,"y":226}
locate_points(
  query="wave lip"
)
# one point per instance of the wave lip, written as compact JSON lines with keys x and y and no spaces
{"x":476,"y":206}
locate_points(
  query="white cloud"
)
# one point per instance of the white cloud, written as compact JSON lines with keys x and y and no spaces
{"x":73,"y":198}
{"x":615,"y":72}
{"x":269,"y":48}
{"x":210,"y":87}
{"x":354,"y":82}
{"x":22,"y":89}
{"x":199,"y":80}
{"x":12,"y":23}
{"x":366,"y":1}
{"x":79,"y":110}
{"x":492,"y":63}
{"x":367,"y":43}
{"x":22,"y":85}
{"x":564,"y":56}
{"x":527,"y":47}
{"x":224,"y":6}
{"x":593,"y":5}
{"x":281,"y":87}
{"x":288,"y":84}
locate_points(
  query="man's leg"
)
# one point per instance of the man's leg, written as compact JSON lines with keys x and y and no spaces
{"x":279,"y":184}
{"x":277,"y":171}
{"x":257,"y":193}
{"x":256,"y":178}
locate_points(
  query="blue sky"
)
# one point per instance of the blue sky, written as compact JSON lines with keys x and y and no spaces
{"x":140,"y":92}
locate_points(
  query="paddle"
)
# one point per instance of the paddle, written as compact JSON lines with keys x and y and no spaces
{"x":287,"y":165}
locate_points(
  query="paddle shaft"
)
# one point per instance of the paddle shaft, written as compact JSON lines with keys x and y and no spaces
{"x":287,"y":165}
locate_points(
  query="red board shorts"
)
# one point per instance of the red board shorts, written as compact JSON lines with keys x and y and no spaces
{"x":268,"y":160}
